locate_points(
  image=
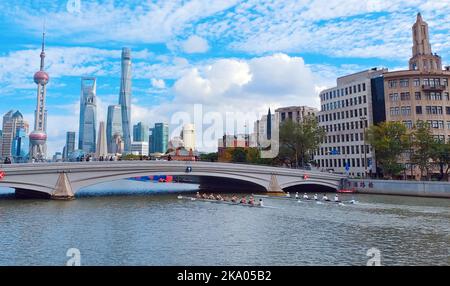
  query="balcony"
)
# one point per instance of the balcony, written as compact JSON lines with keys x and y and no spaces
{"x":433,"y":88}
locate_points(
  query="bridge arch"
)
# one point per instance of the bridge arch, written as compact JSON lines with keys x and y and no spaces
{"x":246,"y":183}
{"x":309,"y":186}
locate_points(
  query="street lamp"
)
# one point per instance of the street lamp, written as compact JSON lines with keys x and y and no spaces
{"x":363,"y":120}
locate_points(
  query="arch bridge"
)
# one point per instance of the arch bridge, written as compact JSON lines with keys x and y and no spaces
{"x":63,"y":180}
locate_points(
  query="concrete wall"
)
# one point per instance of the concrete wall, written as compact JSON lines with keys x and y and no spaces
{"x":402,"y":188}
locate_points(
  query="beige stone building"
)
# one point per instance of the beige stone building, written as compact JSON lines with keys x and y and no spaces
{"x":296,"y":113}
{"x":422,"y":92}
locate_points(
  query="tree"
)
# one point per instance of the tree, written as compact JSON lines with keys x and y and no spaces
{"x":390,"y":140}
{"x":424,"y":146}
{"x":441,"y":157}
{"x":210,"y":157}
{"x":239,"y":155}
{"x":299,"y":140}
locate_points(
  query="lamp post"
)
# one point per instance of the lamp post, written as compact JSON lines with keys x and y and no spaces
{"x":363,"y":120}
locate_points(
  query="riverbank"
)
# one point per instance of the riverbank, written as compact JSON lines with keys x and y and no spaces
{"x":402,"y":188}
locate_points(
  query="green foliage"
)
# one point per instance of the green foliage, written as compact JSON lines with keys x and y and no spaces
{"x":210,"y":157}
{"x":299,"y":140}
{"x":390,"y":140}
{"x":238,"y":155}
{"x":441,"y":157}
{"x":423,"y":146}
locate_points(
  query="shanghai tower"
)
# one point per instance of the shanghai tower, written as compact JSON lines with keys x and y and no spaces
{"x":125,"y":98}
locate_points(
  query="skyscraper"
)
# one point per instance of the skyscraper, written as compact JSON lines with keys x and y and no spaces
{"x":88,"y":115}
{"x":113,"y":126}
{"x":159,"y":138}
{"x":20,"y":146}
{"x":102,"y":149}
{"x":140,"y":132}
{"x":13,"y":123}
{"x":70,"y":145}
{"x":125,"y":98}
{"x":38,"y":138}
{"x":188,"y":136}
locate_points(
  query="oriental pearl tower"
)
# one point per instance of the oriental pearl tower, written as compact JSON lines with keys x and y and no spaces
{"x":38,"y":138}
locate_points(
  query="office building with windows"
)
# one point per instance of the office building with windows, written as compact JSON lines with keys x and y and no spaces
{"x":88,"y":116}
{"x":159,"y":138}
{"x":347,"y":110}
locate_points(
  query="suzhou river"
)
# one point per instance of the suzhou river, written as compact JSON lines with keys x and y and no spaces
{"x":136,"y":223}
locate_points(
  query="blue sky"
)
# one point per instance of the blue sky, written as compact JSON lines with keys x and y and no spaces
{"x":225,"y":55}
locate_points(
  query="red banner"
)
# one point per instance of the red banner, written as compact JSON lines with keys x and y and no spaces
{"x":2,"y":175}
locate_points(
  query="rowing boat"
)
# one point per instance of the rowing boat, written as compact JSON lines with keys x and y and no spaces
{"x":304,"y":200}
{"x":219,"y":202}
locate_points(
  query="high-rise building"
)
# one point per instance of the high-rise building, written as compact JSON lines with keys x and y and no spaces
{"x":118,"y":145}
{"x":421,"y":93}
{"x":140,"y":132}
{"x":70,"y":145}
{"x":102,"y":148}
{"x":13,"y":122}
{"x":21,"y":146}
{"x":38,"y":138}
{"x":296,"y":113}
{"x":113,"y":126}
{"x":347,"y":110}
{"x":188,"y":136}
{"x":159,"y":138}
{"x":125,"y":98}
{"x":88,"y":115}
{"x":261,"y":130}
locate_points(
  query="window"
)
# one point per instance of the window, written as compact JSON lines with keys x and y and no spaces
{"x":446,"y":96}
{"x":404,"y":83}
{"x":359,"y":87}
{"x":445,"y":81}
{"x":393,"y":96}
{"x":418,"y":95}
{"x":448,"y":125}
{"x":416,"y":82}
{"x":447,"y":110}
{"x":408,"y":124}
{"x":405,"y":96}
{"x":364,"y":87}
{"x":418,"y":109}
{"x":392,"y":83}
{"x":406,"y":110}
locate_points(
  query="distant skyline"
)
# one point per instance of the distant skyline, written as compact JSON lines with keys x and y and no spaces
{"x":226,"y":55}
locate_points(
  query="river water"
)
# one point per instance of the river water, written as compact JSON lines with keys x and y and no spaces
{"x":136,"y":223}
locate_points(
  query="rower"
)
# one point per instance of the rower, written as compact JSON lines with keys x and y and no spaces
{"x":212,"y":197}
{"x":288,"y":195}
{"x":205,"y":196}
{"x":305,"y":196}
{"x":296,"y":195}
{"x":243,"y":200}
{"x":198,"y":195}
{"x":234,"y":199}
{"x":325,"y":198}
{"x":336,"y":199}
{"x":251,"y":201}
{"x":261,"y":204}
{"x":316,"y":197}
{"x":218,"y":198}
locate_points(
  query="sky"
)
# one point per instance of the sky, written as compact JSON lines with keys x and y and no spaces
{"x":224,"y":56}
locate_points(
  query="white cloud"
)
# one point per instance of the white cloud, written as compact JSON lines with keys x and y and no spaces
{"x":248,"y":85}
{"x":195,"y":44}
{"x":158,"y":83}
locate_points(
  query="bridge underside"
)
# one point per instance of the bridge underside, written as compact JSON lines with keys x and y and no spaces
{"x":310,"y":188}
{"x":29,"y":194}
